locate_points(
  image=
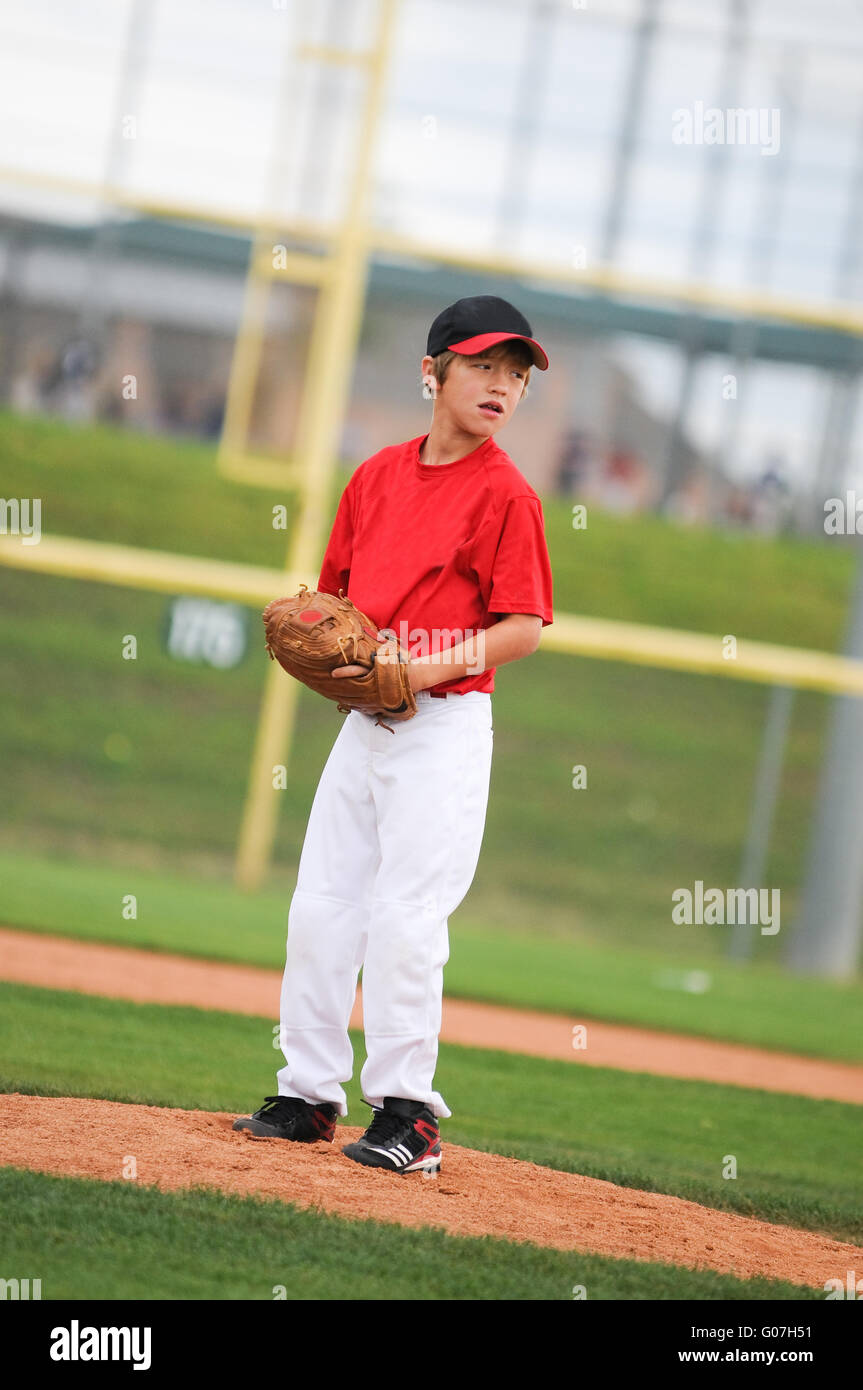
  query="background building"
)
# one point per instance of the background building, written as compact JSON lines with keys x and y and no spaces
{"x":694,"y":173}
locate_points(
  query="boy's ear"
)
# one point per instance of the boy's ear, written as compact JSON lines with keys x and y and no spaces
{"x":430,"y":382}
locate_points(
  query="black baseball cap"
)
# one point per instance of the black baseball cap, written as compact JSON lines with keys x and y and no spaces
{"x":474,"y":324}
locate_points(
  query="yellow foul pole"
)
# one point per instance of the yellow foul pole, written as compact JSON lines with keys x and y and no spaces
{"x":326,"y":391}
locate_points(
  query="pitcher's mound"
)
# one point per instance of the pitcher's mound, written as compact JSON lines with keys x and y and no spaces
{"x":475,"y":1193}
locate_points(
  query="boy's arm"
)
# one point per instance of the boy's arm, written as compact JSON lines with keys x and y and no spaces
{"x":512,"y":637}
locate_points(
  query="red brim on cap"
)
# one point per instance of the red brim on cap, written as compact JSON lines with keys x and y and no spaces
{"x":487,"y":340}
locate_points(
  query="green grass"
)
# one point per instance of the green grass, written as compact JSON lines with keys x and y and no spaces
{"x":755,"y":1004}
{"x":103,"y":483}
{"x":645,"y":569}
{"x":670,"y":757}
{"x":796,"y":1158}
{"x":94,"y":1240}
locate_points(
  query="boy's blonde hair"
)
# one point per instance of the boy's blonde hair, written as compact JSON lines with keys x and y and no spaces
{"x":519,"y":352}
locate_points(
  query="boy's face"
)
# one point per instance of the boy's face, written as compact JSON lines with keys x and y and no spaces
{"x":481,"y":392}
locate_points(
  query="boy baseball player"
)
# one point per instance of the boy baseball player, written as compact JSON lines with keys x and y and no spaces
{"x":441,"y":541}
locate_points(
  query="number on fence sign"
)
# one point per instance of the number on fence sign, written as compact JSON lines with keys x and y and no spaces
{"x":202,"y":629}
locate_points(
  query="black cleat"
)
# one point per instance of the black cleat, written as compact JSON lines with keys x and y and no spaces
{"x":403,"y":1137}
{"x":288,"y":1117}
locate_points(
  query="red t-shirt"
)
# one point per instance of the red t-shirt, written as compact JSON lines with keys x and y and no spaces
{"x":433,"y":551}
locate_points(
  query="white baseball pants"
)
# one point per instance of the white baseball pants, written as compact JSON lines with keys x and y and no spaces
{"x":390,"y":850}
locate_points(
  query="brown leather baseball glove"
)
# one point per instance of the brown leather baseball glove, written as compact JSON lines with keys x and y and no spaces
{"x":310,"y":634}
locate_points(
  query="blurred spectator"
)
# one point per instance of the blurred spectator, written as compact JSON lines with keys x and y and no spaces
{"x":771,"y":499}
{"x":61,"y":380}
{"x":190,"y":408}
{"x":214,"y":414}
{"x":619,"y":481}
{"x":624,"y":484}
{"x":575,"y":463}
{"x":77,"y":366}
{"x":737,"y":508}
{"x":690,"y":503}
{"x":27,"y":389}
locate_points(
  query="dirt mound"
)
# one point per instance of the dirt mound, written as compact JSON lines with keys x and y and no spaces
{"x":475,"y":1193}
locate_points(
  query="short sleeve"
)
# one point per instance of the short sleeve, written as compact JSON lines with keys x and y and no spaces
{"x":336,"y":564}
{"x":521,"y":579}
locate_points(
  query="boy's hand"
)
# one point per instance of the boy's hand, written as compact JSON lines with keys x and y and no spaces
{"x":342,"y":671}
{"x":416,"y":674}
